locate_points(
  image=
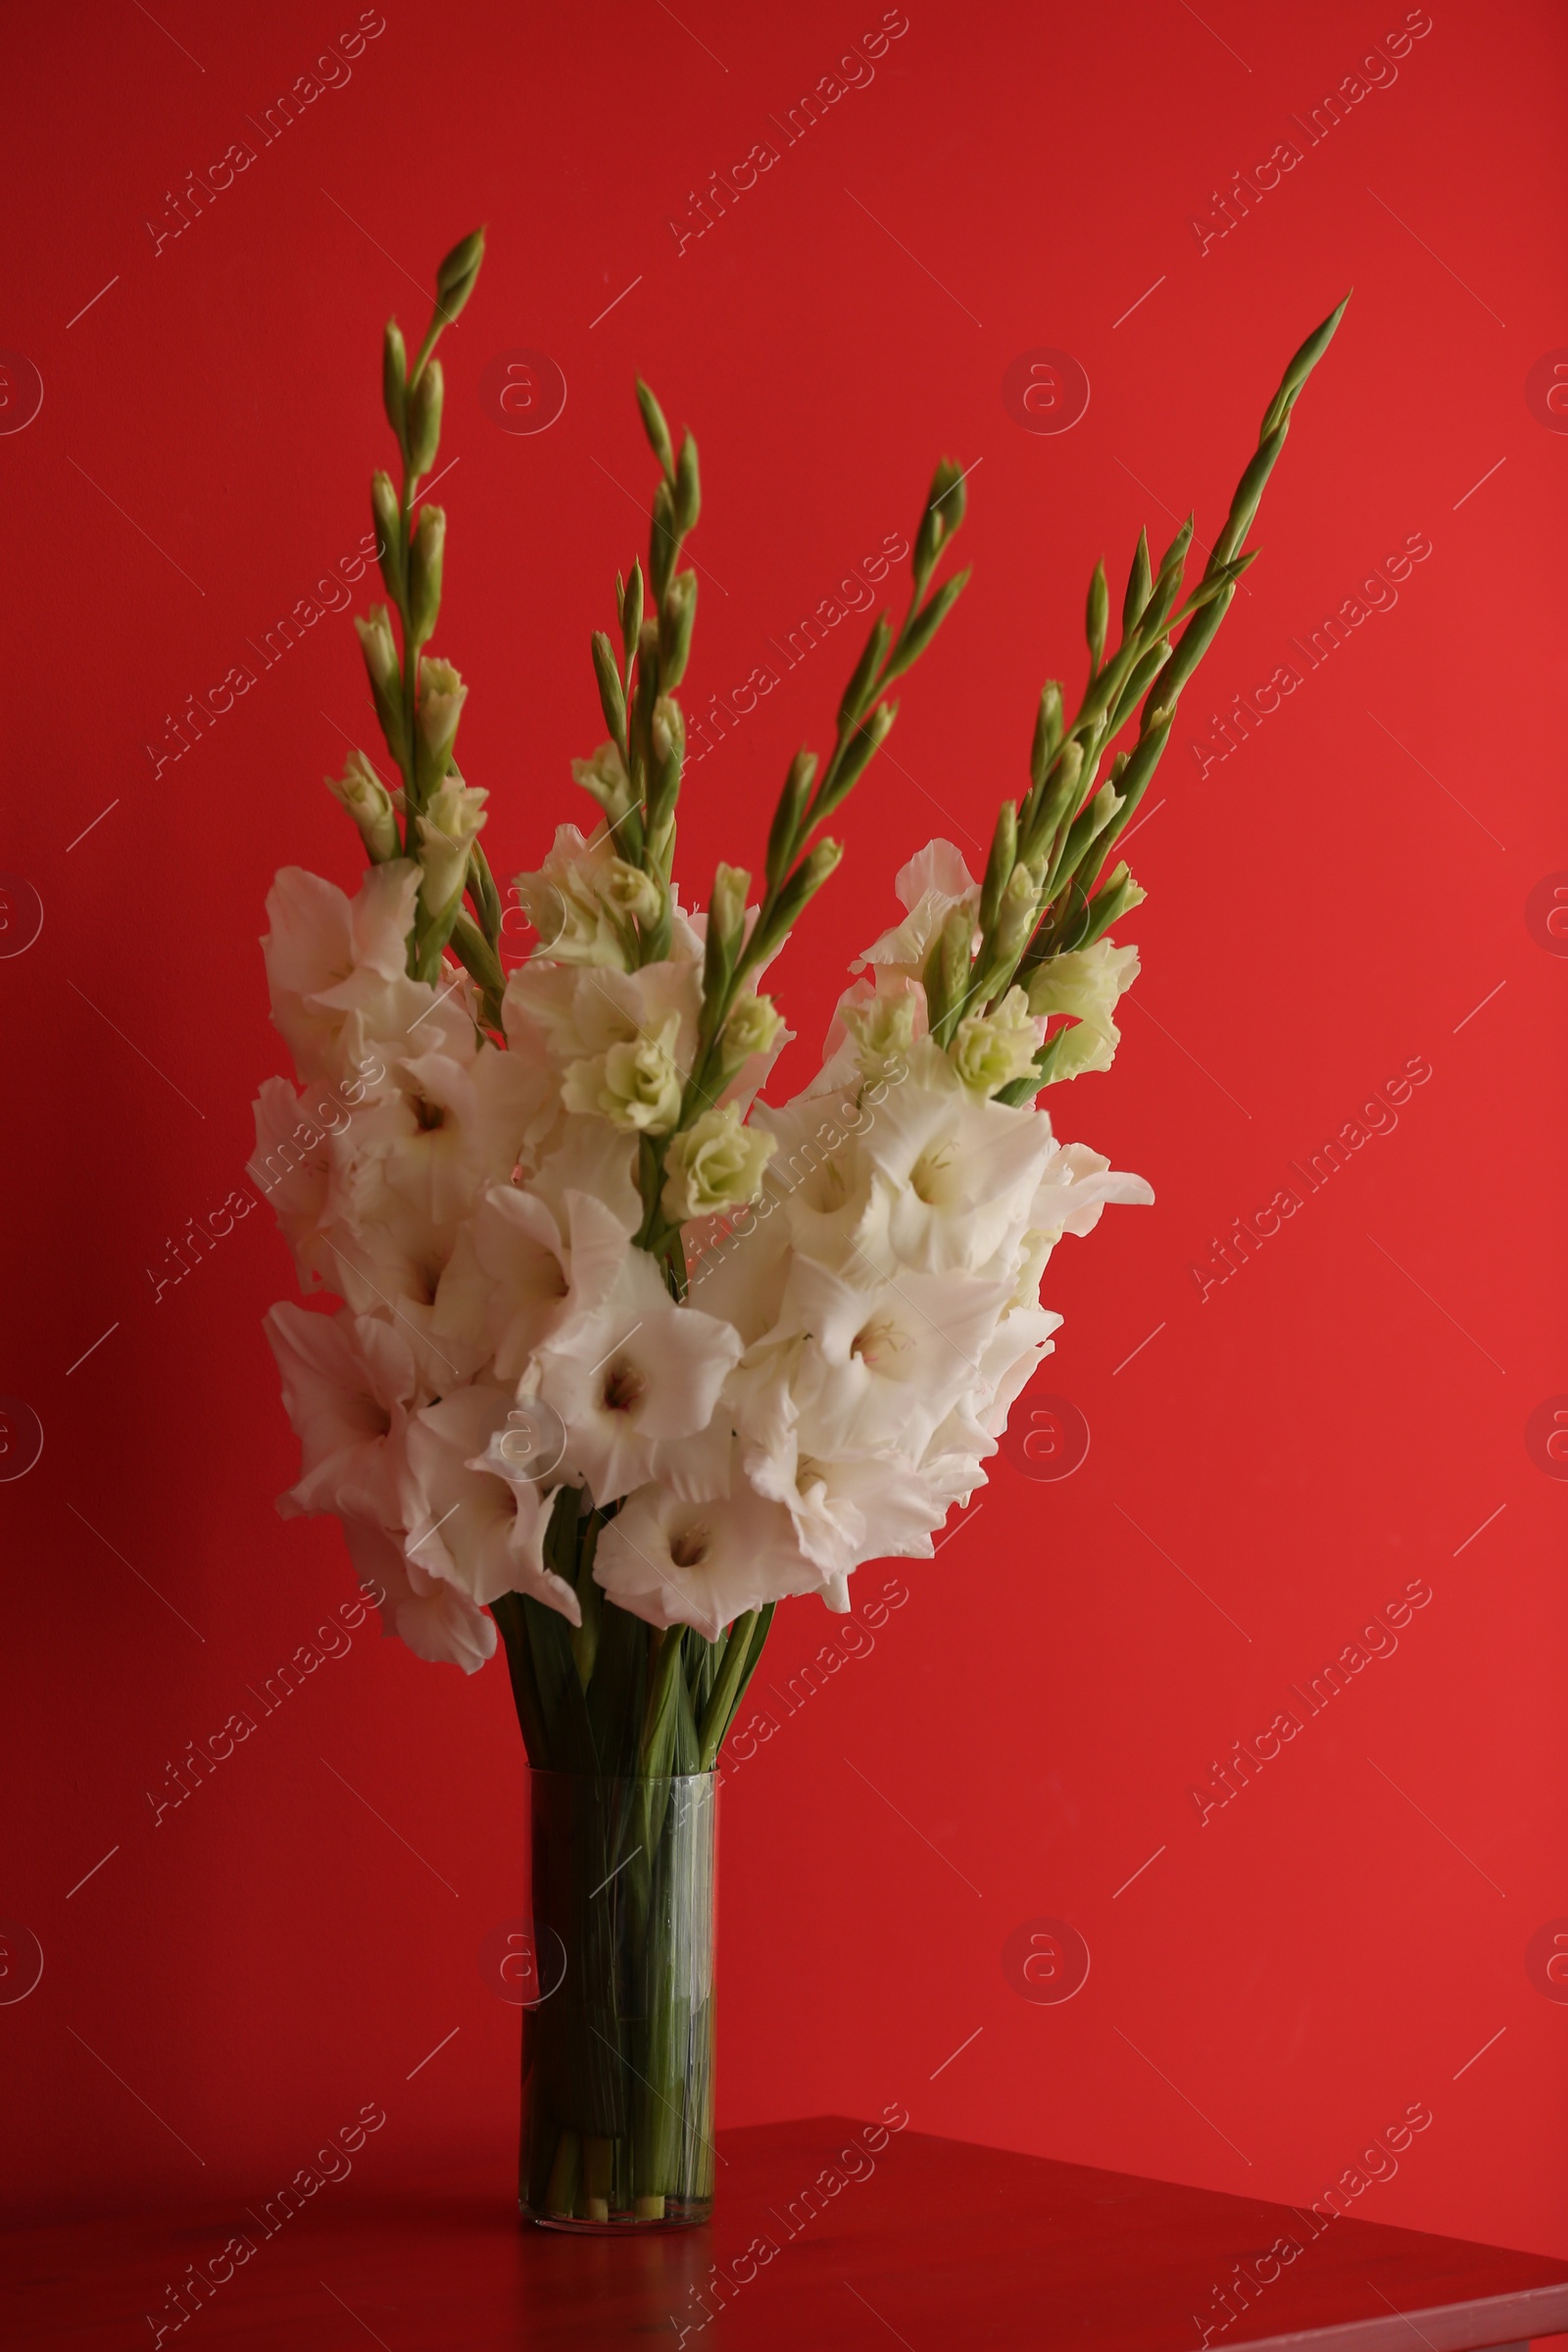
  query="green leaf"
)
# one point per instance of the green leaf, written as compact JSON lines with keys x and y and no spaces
{"x":655,"y":428}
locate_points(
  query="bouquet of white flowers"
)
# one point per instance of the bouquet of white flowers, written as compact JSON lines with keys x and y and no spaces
{"x":625,"y":1355}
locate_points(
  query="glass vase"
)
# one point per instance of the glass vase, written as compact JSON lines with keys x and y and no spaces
{"x":617,"y":2045}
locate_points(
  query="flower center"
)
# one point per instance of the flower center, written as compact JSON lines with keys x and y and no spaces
{"x":875,"y":1341}
{"x":625,"y":1387}
{"x":930,"y":1178}
{"x":689,"y":1549}
{"x":427,"y":1116}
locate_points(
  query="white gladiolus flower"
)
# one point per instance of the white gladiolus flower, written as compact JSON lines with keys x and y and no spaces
{"x":629,"y":892}
{"x":675,"y":1562}
{"x":928,"y":888}
{"x":436,"y":1619}
{"x":370,"y":804}
{"x":349,"y":1384}
{"x":954,"y":1175}
{"x":567,"y":905}
{"x":845,"y":1507}
{"x":715,"y":1163}
{"x":1086,"y":984}
{"x":449,"y":826}
{"x":873,"y":1365}
{"x":631,"y":1377}
{"x":882,"y":1026}
{"x":990,"y":1049}
{"x":636,"y":1084}
{"x":334,"y":964}
{"x":462,"y":1522}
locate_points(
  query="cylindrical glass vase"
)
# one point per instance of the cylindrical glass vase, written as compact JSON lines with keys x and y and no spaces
{"x":617,"y":2045}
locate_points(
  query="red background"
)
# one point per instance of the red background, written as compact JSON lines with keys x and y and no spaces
{"x":1281,"y":1981}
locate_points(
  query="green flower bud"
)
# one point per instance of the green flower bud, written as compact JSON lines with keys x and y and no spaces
{"x":394,"y":376}
{"x":1015,"y":914}
{"x":678,"y":613}
{"x":424,"y":571}
{"x":631,"y":610}
{"x":442,"y":695}
{"x":425,"y":418}
{"x":655,"y":427}
{"x":448,"y":828}
{"x":455,"y":279}
{"x":370,"y":804}
{"x":381,"y":649}
{"x":1097,"y":614}
{"x":688,"y":488}
{"x":727,"y":907}
{"x":753,"y":1027}
{"x":387,"y":515}
{"x":715,"y":1164}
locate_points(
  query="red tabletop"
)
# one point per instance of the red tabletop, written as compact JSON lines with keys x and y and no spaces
{"x":828,"y":2234}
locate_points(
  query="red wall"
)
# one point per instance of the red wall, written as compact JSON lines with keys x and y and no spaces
{"x":1349,"y":892}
